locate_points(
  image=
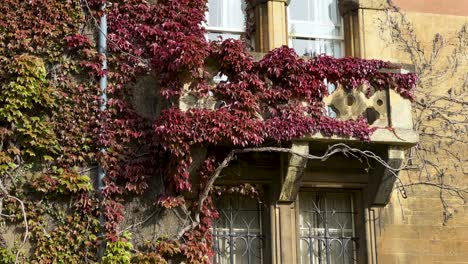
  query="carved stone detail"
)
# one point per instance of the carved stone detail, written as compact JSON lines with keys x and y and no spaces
{"x":349,"y":104}
{"x":294,"y":173}
{"x":383,"y":179}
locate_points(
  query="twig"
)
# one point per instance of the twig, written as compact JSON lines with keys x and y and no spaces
{"x":139,"y":223}
{"x":441,"y":118}
{"x":459,"y":191}
{"x":332,"y":150}
{"x":87,"y":169}
{"x":5,"y":194}
{"x":26,"y":226}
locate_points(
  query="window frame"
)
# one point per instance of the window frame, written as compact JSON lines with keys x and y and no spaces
{"x":265,"y":222}
{"x":291,"y":35}
{"x":358,"y":220}
{"x":279,"y":235}
{"x":224,"y":30}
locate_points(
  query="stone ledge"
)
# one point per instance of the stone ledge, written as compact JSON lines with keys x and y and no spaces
{"x":400,"y":137}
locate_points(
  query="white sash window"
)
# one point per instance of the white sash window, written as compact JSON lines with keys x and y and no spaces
{"x":316,"y":27}
{"x":225,"y":18}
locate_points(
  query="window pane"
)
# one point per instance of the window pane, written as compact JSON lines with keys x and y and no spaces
{"x":314,"y":30}
{"x":229,"y":14}
{"x":215,"y":35}
{"x":302,"y":10}
{"x":315,"y":27}
{"x":237,"y":233}
{"x":311,"y":47}
{"x":326,"y":228}
{"x":317,"y":18}
{"x":318,"y":11}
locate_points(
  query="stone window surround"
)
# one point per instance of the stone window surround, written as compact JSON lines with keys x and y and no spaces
{"x":271,"y":25}
{"x":281,"y":213}
{"x":281,"y":243}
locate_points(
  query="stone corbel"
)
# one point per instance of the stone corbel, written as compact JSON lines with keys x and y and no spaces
{"x":285,"y":206}
{"x":381,"y":183}
{"x":295,"y":170}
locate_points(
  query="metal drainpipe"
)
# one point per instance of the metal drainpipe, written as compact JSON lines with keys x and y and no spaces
{"x":102,"y":49}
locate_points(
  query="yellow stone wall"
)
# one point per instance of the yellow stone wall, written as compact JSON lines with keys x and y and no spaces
{"x":414,"y":230}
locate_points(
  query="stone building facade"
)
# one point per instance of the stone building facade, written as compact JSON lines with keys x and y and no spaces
{"x":343,"y":210}
{"x":430,"y":226}
{"x":405,"y":204}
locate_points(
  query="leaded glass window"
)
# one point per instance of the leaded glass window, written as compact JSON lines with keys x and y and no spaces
{"x":237,"y":234}
{"x":326,"y":228}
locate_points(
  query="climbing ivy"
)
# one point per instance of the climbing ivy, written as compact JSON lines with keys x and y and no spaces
{"x":49,"y":115}
{"x":72,"y":241}
{"x":26,"y":101}
{"x":6,"y":256}
{"x":118,"y":252}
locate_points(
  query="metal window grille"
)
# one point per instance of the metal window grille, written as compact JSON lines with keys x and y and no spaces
{"x":237,"y":234}
{"x":326,"y":228}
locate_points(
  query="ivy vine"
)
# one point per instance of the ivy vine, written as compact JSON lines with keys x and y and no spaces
{"x":49,"y":115}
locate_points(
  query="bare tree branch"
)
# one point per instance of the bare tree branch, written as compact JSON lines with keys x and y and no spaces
{"x":441,"y":115}
{"x":332,"y":150}
{"x":5,"y":194}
